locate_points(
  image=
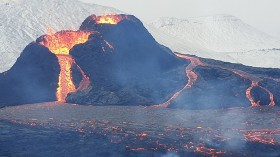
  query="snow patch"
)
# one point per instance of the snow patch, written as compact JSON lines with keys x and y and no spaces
{"x":221,"y":37}
{"x":25,"y":21}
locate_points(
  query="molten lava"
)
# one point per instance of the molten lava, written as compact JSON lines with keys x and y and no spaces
{"x":60,"y":45}
{"x":249,"y":96}
{"x":265,"y":136}
{"x":190,"y":74}
{"x":65,"y":83}
{"x":255,"y":83}
{"x":109,"y":19}
{"x":193,"y":78}
{"x":271,"y":96}
{"x":61,"y":42}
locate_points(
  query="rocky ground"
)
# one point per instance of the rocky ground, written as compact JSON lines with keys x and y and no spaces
{"x":55,"y":129}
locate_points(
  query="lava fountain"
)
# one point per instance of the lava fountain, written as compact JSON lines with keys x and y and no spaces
{"x":109,"y":19}
{"x":60,"y":44}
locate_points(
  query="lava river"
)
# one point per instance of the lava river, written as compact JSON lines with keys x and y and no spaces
{"x":60,"y":45}
{"x":192,"y":76}
{"x":255,"y":83}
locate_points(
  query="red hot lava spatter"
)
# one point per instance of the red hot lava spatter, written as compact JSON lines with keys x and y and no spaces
{"x":192,"y":78}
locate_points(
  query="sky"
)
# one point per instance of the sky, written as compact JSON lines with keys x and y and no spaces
{"x":262,"y":14}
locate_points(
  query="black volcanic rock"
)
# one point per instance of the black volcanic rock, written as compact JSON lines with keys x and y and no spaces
{"x":136,"y":71}
{"x":217,"y":87}
{"x":126,"y":66}
{"x":258,"y":94}
{"x":139,"y":71}
{"x":274,"y":87}
{"x":133,"y":43}
{"x":214,"y":88}
{"x":32,"y":79}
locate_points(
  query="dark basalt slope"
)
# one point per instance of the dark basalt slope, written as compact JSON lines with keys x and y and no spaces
{"x":214,"y":88}
{"x":126,"y":66}
{"x":136,"y":70}
{"x":217,"y":87}
{"x":32,"y":79}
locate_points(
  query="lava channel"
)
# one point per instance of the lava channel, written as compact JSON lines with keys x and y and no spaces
{"x":193,"y":78}
{"x":255,"y":83}
{"x":190,"y":74}
{"x":60,"y":44}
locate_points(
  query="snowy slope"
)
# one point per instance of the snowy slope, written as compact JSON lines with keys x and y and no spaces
{"x":186,"y":47}
{"x":220,"y":37}
{"x":258,"y":58}
{"x":220,"y":33}
{"x":268,"y":58}
{"x":22,"y":21}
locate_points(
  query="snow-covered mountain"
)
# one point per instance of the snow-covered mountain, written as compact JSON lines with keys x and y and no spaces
{"x":22,"y":21}
{"x":221,"y":37}
{"x":186,"y":47}
{"x":220,"y":33}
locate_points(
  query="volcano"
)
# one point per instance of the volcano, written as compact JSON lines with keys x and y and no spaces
{"x":95,"y":63}
{"x":125,"y":64}
{"x":114,"y":60}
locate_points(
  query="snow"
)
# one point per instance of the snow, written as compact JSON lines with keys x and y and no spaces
{"x":220,"y":37}
{"x":24,"y":21}
{"x":258,"y":58}
{"x":220,"y":33}
{"x":185,"y":47}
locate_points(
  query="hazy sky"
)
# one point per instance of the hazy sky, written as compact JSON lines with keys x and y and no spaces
{"x":262,"y":14}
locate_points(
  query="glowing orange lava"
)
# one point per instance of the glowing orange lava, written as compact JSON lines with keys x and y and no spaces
{"x":109,"y":19}
{"x":255,"y":83}
{"x":190,"y":74}
{"x":249,"y":96}
{"x":271,"y":96}
{"x":60,"y":45}
{"x":65,"y":83}
{"x":193,"y":78}
{"x":85,"y":83}
{"x":265,"y":136}
{"x":62,"y":42}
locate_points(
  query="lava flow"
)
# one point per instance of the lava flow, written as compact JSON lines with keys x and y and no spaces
{"x":109,"y":19}
{"x":265,"y":136}
{"x":190,"y":74}
{"x":60,"y":45}
{"x":249,"y":96}
{"x":255,"y":83}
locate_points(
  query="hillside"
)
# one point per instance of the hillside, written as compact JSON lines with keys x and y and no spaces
{"x":220,"y":37}
{"x":27,"y":20}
